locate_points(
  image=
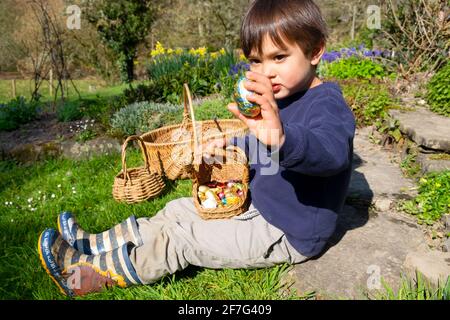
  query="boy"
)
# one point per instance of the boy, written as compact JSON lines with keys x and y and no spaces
{"x":305,"y":127}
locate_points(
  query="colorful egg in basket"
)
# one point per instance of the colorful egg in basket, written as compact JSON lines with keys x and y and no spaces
{"x":220,"y":194}
{"x":247,"y":108}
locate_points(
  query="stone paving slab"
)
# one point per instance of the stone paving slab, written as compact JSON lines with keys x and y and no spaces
{"x":428,"y":164}
{"x":425,"y":128}
{"x":363,"y":251}
{"x":376,"y":175}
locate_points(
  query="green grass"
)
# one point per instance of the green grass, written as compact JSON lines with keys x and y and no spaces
{"x":416,"y":289}
{"x":24,"y":88}
{"x":39,"y":192}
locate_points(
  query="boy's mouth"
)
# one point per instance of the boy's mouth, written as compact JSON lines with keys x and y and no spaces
{"x":276,"y":88}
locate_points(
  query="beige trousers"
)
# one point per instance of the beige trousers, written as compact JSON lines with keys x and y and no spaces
{"x":177,"y":237}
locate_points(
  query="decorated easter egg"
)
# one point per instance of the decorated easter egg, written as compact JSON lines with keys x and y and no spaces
{"x":209,"y":204}
{"x":232,"y":200}
{"x":247,"y":108}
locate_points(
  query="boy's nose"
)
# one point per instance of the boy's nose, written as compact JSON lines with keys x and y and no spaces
{"x":268,"y":70}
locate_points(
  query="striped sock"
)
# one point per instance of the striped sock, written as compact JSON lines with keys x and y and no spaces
{"x":89,"y":243}
{"x":59,"y":258}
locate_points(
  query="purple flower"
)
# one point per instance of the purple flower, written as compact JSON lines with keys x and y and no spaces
{"x":239,"y":67}
{"x":377,"y":53}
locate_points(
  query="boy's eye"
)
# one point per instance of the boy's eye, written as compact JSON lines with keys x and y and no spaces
{"x":280,"y":57}
{"x":253,"y":61}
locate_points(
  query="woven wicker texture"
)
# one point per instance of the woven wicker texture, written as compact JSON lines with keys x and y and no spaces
{"x":229,"y":164}
{"x":136,"y":184}
{"x":170,"y":148}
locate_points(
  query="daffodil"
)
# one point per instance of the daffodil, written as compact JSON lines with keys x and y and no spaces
{"x":201,"y":51}
{"x":222,"y":51}
{"x":159,"y":50}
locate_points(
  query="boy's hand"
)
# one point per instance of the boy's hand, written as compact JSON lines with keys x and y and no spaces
{"x":209,"y":146}
{"x":267,"y":125}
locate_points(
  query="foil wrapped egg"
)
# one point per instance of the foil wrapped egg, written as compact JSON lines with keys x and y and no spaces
{"x":247,"y":108}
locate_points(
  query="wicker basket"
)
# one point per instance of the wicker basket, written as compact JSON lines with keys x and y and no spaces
{"x":170,"y":148}
{"x":136,"y":184}
{"x":234,"y":165}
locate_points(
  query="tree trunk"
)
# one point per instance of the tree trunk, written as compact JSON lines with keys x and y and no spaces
{"x":130,"y":69}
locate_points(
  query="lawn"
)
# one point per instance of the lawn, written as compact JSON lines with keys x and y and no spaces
{"x":24,"y":88}
{"x":31,"y":198}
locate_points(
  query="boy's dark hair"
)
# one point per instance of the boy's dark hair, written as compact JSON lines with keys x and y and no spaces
{"x":298,"y":21}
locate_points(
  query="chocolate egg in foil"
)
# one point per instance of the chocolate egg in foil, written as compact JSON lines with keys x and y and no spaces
{"x":247,"y":108}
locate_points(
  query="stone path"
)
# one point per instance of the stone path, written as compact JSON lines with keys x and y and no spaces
{"x":371,"y":242}
{"x":376,"y":176}
{"x":424,"y":127}
{"x":431,"y":132}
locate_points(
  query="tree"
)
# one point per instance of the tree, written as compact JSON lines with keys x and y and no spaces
{"x":122,"y":26}
{"x":41,"y":38}
{"x":419,"y":31}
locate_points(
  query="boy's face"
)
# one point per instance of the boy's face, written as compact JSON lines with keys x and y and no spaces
{"x":289,"y":70}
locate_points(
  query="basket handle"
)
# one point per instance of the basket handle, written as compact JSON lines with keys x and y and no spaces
{"x":188,"y":105}
{"x":143,"y":149}
{"x":188,"y":116}
{"x":222,"y":152}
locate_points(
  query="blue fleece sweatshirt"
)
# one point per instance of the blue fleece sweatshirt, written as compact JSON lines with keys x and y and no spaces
{"x":300,"y":188}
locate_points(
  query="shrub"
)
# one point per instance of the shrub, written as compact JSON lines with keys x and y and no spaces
{"x":353,"y":67}
{"x":17,"y":112}
{"x":69,"y":111}
{"x":143,"y":116}
{"x":211,"y":109}
{"x":407,"y":26}
{"x":369,"y":102}
{"x":144,"y":92}
{"x":438,"y":91}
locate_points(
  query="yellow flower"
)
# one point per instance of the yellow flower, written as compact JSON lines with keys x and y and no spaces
{"x":170,"y":51}
{"x":201,"y":51}
{"x":178,"y":51}
{"x":214,"y":55}
{"x":242,"y":57}
{"x":159,"y":50}
{"x":222,"y":51}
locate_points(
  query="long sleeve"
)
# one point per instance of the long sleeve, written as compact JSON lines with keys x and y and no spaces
{"x":321,"y":147}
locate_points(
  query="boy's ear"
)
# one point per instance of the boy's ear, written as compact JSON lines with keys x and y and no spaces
{"x":317,"y":54}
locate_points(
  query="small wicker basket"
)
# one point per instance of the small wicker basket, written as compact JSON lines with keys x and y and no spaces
{"x":136,"y":184}
{"x":170,"y":148}
{"x":234,"y":165}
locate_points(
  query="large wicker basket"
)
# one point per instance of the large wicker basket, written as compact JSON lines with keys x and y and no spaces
{"x":170,"y":148}
{"x":232,"y":165}
{"x":136,"y":184}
